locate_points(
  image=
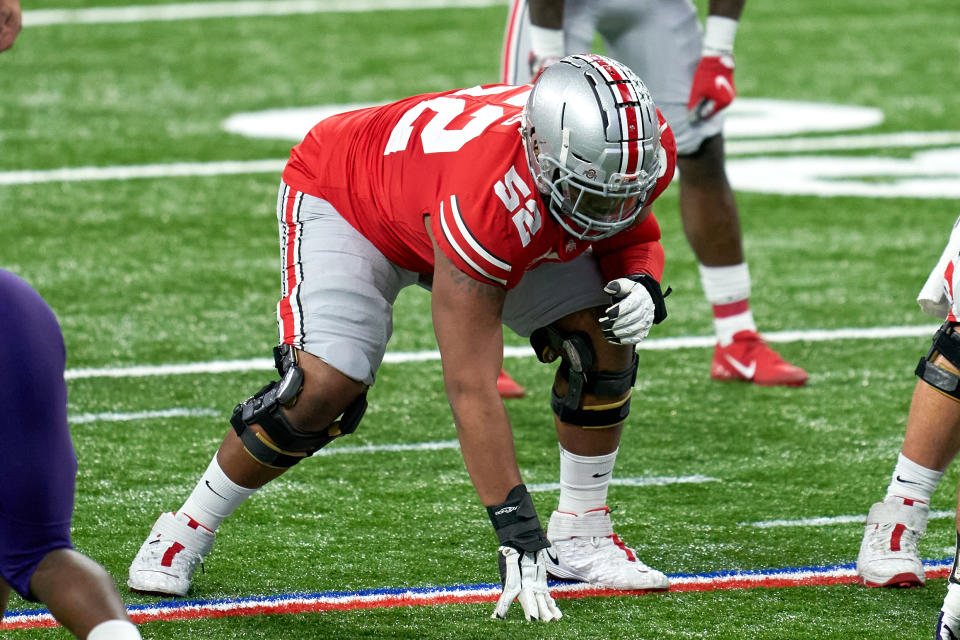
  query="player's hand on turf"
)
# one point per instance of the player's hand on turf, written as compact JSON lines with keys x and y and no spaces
{"x":712,"y":88}
{"x":525,"y":579}
{"x":633,"y":312}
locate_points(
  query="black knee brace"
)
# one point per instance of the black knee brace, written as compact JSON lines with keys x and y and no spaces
{"x":946,"y":342}
{"x":576,"y":350}
{"x":285,"y":444}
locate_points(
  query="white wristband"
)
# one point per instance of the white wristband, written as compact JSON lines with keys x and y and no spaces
{"x":546,"y":42}
{"x":719,"y":34}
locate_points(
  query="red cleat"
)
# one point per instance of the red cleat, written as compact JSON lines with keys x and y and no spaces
{"x":749,"y":359}
{"x":508,"y":387}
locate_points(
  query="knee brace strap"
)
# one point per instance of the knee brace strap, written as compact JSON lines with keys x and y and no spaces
{"x":947,"y":343}
{"x":578,"y":354}
{"x":579,"y":357}
{"x":602,"y":383}
{"x":285,"y":444}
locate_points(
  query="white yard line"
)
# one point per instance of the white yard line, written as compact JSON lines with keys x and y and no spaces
{"x":395,"y":357}
{"x":650,"y":481}
{"x":828,"y":520}
{"x":843,"y":143}
{"x":232,"y":167}
{"x":114,"y":416}
{"x":379,"y":448}
{"x":199,"y":10}
{"x":129,"y":172}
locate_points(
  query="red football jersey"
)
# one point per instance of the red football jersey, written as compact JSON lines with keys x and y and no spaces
{"x":457,"y":157}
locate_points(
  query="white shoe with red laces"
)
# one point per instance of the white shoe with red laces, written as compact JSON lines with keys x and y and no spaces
{"x":585,"y":548}
{"x":167,"y":559}
{"x":888,"y":554}
{"x":749,"y":359}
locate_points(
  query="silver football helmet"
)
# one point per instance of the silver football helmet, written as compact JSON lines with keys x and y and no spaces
{"x":592,"y":138}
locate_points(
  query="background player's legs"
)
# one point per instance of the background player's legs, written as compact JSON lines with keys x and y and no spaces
{"x":714,"y":236}
{"x":661,"y":41}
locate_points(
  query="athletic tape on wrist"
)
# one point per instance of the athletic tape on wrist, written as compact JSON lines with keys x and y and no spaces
{"x":719,"y":35}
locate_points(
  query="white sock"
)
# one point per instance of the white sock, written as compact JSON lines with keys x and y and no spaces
{"x":727,"y":289}
{"x":215,"y":497}
{"x":584,"y":481}
{"x":114,"y":630}
{"x":723,"y":285}
{"x":912,"y":481}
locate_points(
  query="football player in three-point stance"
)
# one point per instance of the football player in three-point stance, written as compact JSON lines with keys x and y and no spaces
{"x":37,"y":477}
{"x":690,"y":76}
{"x":889,"y":556}
{"x":522,"y":206}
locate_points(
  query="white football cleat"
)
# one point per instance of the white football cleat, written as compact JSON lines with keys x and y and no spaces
{"x":888,"y":554}
{"x":585,"y":548}
{"x":167,"y":559}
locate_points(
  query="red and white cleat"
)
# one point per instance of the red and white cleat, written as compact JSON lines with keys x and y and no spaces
{"x":749,"y":359}
{"x":165,"y":563}
{"x":888,"y":554}
{"x":508,"y":387}
{"x":585,"y":548}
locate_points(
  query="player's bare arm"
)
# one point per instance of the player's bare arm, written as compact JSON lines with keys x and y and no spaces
{"x":10,"y":22}
{"x":466,"y":318}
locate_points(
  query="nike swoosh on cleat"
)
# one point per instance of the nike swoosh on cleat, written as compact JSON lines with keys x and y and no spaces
{"x":213,"y":491}
{"x":553,"y":558}
{"x":600,"y":475}
{"x":744,"y":370}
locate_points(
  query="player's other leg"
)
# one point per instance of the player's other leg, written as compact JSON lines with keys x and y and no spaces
{"x":712,"y":226}
{"x":888,"y":553}
{"x":584,"y":546}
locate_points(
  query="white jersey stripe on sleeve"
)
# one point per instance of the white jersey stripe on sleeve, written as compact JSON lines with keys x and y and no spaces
{"x":444,"y":225}
{"x":461,"y":225}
